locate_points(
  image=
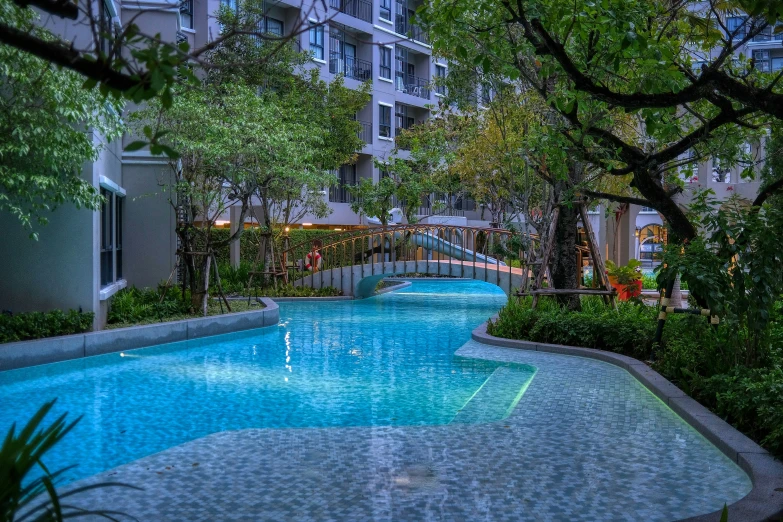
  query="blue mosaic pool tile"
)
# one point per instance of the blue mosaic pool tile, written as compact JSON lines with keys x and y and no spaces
{"x":586,"y":442}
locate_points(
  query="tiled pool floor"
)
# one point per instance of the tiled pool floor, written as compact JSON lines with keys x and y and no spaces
{"x":585,"y":442}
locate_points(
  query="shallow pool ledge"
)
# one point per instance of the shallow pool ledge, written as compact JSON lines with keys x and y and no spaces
{"x":64,"y":348}
{"x":765,"y":500}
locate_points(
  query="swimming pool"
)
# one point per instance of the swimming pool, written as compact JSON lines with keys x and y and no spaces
{"x":383,"y":361}
{"x":379,"y":409}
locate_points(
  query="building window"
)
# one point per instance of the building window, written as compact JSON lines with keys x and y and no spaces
{"x":761,"y":61}
{"x":107,"y":32}
{"x":317,"y":41}
{"x":385,"y":67}
{"x":736,"y":26}
{"x":720,"y":172}
{"x":346,"y":177}
{"x":112,"y":210}
{"x":386,"y":10}
{"x":440,"y":80}
{"x":273,"y":26}
{"x":384,"y":121}
{"x":186,"y":14}
{"x":403,"y":118}
{"x":231,"y":4}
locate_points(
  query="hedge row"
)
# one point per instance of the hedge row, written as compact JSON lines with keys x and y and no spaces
{"x":37,"y":325}
{"x":251,"y":237}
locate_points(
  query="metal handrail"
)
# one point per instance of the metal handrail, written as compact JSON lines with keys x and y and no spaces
{"x":350,"y":67}
{"x":361,"y":9}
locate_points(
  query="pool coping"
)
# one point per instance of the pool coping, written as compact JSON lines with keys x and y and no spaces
{"x":24,"y":354}
{"x":765,"y":500}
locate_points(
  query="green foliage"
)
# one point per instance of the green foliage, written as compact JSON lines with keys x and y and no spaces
{"x":290,"y":290}
{"x":38,"y":325}
{"x":25,"y":479}
{"x":249,"y":242}
{"x":625,"y":274}
{"x":736,"y":266}
{"x":133,"y":305}
{"x":750,"y":399}
{"x":43,"y":143}
{"x":630,"y":330}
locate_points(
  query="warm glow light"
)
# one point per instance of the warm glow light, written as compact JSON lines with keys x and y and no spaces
{"x":221,"y":222}
{"x":287,"y":229}
{"x":338,"y":229}
{"x":307,"y":224}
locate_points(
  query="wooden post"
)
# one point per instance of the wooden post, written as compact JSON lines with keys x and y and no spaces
{"x":550,"y":241}
{"x":595,"y":253}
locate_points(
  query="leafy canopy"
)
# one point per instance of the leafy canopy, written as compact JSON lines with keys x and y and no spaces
{"x":49,"y":128}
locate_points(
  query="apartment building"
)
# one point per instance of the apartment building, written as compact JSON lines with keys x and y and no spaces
{"x":83,"y":257}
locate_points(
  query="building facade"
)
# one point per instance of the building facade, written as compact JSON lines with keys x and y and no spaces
{"x":83,"y":257}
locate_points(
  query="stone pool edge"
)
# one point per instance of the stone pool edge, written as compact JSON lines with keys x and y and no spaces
{"x":765,"y":500}
{"x":23,"y":354}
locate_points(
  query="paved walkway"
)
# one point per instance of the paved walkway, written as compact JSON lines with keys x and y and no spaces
{"x":585,"y":442}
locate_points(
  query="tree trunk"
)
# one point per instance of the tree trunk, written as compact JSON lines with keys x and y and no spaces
{"x":564,"y":264}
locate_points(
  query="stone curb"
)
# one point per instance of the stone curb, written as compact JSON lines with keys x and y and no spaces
{"x":765,"y":500}
{"x":56,"y":349}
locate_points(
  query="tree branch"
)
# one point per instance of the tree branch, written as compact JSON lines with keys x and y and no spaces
{"x":767,"y":192}
{"x":59,"y":54}
{"x":62,"y":8}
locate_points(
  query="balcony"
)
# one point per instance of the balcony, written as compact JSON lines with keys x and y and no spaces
{"x":365,"y":134}
{"x":413,"y":85}
{"x":350,"y":67}
{"x":403,"y":25}
{"x":767,"y":36}
{"x":361,"y":9}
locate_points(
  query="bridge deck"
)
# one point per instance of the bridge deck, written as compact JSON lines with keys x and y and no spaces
{"x":360,"y":280}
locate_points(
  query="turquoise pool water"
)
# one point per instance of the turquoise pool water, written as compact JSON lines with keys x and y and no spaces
{"x":388,"y":360}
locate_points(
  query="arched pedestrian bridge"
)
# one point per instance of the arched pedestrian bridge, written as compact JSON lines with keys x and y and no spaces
{"x":355,"y":261}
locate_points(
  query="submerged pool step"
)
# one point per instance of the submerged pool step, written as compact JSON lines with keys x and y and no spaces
{"x":496,"y":397}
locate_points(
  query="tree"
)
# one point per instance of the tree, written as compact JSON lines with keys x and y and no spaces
{"x":647,"y":143}
{"x":264,"y":136}
{"x":411,"y":174}
{"x":43,"y":143}
{"x":127,"y":62}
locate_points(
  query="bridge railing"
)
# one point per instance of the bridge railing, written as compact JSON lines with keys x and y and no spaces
{"x":461,"y":246}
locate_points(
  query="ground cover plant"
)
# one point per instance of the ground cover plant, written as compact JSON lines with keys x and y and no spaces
{"x":37,"y":325}
{"x":704,"y":361}
{"x":28,"y":487}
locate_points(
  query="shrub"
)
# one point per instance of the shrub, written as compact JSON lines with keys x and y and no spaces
{"x":38,"y":325}
{"x":133,"y":305}
{"x":750,"y":399}
{"x":299,"y":291}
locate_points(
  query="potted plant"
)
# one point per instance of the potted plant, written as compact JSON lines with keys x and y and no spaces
{"x":627,"y":279}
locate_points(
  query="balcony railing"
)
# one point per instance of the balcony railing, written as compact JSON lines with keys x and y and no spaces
{"x":365,"y":134}
{"x":361,"y":9}
{"x":444,"y":211}
{"x":403,"y":25}
{"x":350,"y":67}
{"x":413,"y":85}
{"x":767,"y":36}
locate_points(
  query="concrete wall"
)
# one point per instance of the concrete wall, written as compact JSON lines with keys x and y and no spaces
{"x":150,"y":241}
{"x":60,"y":270}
